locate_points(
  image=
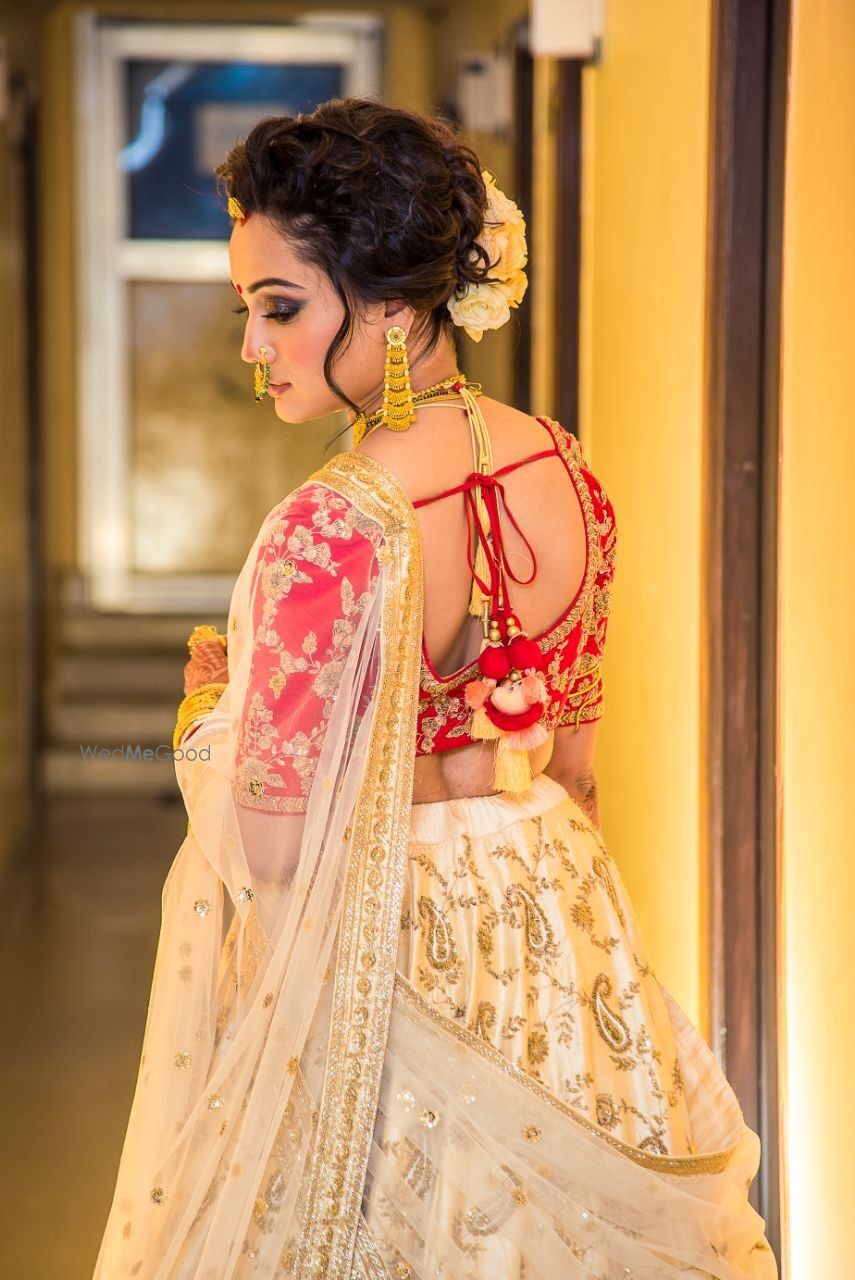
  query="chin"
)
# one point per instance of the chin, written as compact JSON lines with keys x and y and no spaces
{"x":287,"y":411}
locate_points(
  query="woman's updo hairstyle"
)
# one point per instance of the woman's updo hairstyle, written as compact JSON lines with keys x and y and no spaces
{"x":387,"y":202}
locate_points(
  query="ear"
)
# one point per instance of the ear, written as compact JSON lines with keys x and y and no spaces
{"x":399,"y":313}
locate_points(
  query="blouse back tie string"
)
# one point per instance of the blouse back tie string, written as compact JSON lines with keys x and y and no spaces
{"x":507,"y":712}
{"x":487,"y":530}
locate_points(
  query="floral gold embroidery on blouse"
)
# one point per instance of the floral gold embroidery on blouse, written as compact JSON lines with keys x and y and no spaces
{"x":315,"y":566}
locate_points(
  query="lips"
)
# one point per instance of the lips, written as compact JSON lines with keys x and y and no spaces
{"x":276,"y":388}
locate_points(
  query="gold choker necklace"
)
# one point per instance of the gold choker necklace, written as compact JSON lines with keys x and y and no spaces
{"x":445,"y":391}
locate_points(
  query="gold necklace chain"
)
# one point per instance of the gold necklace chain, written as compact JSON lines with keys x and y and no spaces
{"x":439,"y":392}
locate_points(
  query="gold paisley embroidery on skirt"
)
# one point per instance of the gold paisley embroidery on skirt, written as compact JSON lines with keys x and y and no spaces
{"x":608,"y":1112}
{"x":653,"y":1143}
{"x":523,"y":910}
{"x":603,"y":874}
{"x":610,"y":1025}
{"x":485,"y":1018}
{"x":538,"y":931}
{"x":439,"y":944}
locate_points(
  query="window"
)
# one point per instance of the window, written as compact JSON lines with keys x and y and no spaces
{"x":170,"y":437}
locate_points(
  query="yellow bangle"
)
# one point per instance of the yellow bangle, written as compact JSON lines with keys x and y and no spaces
{"x":193,"y":707}
{"x":205,"y":632}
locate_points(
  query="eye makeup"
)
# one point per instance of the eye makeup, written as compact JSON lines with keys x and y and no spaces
{"x":279,"y":310}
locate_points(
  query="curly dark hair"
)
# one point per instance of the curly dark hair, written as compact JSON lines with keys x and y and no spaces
{"x":386,"y":201}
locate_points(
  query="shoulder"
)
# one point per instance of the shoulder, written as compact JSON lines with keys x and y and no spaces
{"x":320,"y":509}
{"x":313,"y":535}
{"x":433,"y":450}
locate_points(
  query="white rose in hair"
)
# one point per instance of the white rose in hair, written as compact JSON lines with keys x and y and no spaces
{"x":500,"y":208}
{"x":506,"y":243}
{"x":487,"y":304}
{"x":483,"y":306}
{"x":514,"y":288}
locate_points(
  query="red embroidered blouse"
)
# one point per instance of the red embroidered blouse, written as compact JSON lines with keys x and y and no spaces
{"x":314,"y":570}
{"x":572,"y":647}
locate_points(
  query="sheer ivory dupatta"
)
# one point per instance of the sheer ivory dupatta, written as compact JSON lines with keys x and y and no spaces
{"x":253,"y":1114}
{"x":301,"y":1111}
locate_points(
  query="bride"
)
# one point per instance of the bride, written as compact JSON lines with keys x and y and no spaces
{"x":402,"y":1023}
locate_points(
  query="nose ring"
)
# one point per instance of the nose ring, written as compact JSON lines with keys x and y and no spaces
{"x":262,"y":373}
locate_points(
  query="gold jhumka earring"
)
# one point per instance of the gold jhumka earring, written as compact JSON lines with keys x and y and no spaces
{"x":262,"y":374}
{"x":398,"y":411}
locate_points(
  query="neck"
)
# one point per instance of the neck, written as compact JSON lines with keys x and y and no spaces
{"x":427,"y":375}
{"x":424,"y":372}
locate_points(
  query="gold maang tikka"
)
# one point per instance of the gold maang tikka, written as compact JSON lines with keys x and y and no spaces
{"x":262,"y":374}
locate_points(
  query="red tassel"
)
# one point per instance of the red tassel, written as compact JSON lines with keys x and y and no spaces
{"x":524,"y":653}
{"x":493,"y":662}
{"x":521,"y":721}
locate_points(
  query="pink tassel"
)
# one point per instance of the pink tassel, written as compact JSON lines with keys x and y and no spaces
{"x":476,"y":692}
{"x":534,"y":689}
{"x":529,"y":738}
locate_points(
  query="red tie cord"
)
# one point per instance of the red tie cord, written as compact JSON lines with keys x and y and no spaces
{"x":497,"y":559}
{"x":496,"y":589}
{"x":474,"y":476}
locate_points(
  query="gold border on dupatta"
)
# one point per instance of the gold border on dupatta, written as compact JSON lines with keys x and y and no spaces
{"x":710,"y":1162}
{"x":367,"y":1262}
{"x":373,"y":886}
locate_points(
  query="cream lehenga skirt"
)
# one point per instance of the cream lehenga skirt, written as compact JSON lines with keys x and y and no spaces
{"x":546,"y":1107}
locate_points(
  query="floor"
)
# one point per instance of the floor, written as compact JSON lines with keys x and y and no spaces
{"x":76,"y":954}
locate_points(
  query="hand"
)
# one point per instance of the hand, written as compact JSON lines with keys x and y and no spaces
{"x":207,"y":665}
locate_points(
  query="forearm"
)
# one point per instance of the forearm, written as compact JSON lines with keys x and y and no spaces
{"x":587,"y":797}
{"x":583,"y":789}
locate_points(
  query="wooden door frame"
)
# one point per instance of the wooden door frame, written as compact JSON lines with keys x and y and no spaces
{"x":568,"y":239}
{"x":741,"y":478}
{"x":523,"y":178}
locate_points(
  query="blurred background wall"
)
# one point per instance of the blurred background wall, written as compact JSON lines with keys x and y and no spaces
{"x":817,"y":613}
{"x":646,"y":119}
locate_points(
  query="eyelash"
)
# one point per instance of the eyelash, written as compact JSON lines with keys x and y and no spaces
{"x":282,"y":316}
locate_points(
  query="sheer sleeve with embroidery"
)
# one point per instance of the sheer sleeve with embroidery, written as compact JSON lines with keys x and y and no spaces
{"x":314,"y":572}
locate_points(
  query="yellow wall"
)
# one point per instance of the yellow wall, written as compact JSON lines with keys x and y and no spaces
{"x":817,"y":623}
{"x":644,"y":232}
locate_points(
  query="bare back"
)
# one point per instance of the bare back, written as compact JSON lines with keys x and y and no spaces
{"x":434,"y":454}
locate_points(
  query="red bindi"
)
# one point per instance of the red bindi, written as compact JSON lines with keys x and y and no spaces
{"x":239,"y":289}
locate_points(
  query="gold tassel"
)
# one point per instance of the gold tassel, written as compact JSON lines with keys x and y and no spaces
{"x":482,"y":568}
{"x":360,"y":426}
{"x":512,"y":768}
{"x":482,"y":452}
{"x":483,"y":727}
